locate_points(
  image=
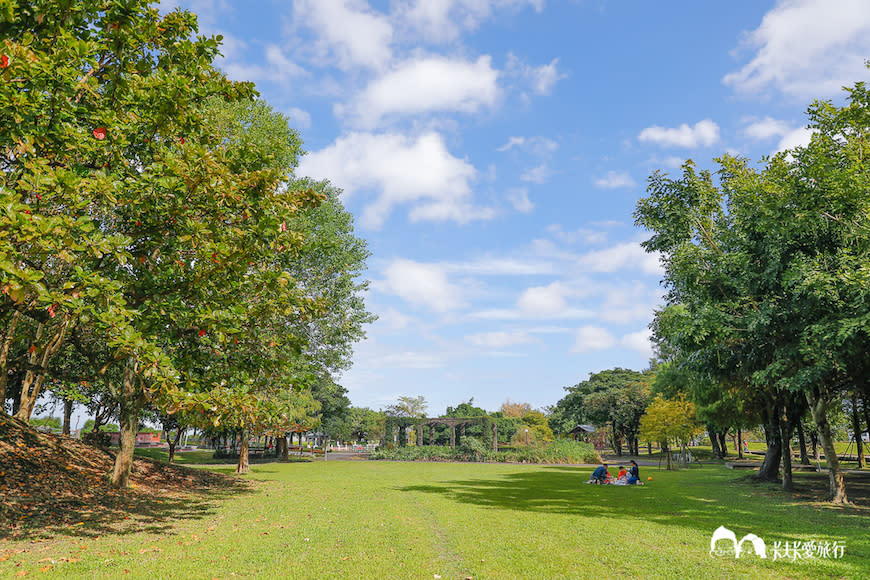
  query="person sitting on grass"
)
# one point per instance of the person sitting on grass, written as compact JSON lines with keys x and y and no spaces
{"x":600,"y":475}
{"x":622,"y":473}
{"x":633,"y":474}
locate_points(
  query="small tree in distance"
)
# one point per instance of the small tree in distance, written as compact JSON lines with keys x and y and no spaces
{"x":669,"y":422}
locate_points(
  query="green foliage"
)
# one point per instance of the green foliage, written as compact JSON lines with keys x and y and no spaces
{"x":50,"y":422}
{"x":108,"y":428}
{"x":407,"y":407}
{"x":616,"y":396}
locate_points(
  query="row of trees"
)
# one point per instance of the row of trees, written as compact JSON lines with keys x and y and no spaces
{"x":156,"y":250}
{"x":768,"y":278}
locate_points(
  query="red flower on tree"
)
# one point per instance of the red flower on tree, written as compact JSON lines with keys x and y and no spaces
{"x":202,"y":332}
{"x":4,"y":61}
{"x":100,"y":133}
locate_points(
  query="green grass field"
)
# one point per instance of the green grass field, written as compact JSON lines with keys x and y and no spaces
{"x":425,"y":520}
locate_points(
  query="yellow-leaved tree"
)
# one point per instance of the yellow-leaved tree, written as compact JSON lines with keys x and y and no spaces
{"x":670,"y":421}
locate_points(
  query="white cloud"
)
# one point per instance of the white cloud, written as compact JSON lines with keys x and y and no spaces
{"x":539,"y":174}
{"x":626,"y":303}
{"x":418,"y":171}
{"x":407,"y":360}
{"x":538,"y":146}
{"x":585,"y":235}
{"x":545,"y":77}
{"x":592,"y":338}
{"x":349,"y":31}
{"x":544,"y":300}
{"x":807,"y":48}
{"x":519,"y":198}
{"x":444,"y":20}
{"x":767,"y":128}
{"x":540,"y":79}
{"x":425,"y":85}
{"x":639,"y":342}
{"x":299,"y":118}
{"x":795,"y":138}
{"x":499,"y":339}
{"x":512,"y":141}
{"x":789,"y":136}
{"x":420,"y":284}
{"x":673,"y":162}
{"x":495,"y":266}
{"x":704,"y":133}
{"x":280,"y":69}
{"x":614,"y":180}
{"x":393,"y":319}
{"x":622,"y":256}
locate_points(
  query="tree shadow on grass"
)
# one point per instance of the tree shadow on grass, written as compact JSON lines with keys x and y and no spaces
{"x":106,"y":511}
{"x":699,"y":499}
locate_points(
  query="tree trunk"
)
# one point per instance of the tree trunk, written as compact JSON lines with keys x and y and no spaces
{"x":714,"y":443}
{"x":857,"y":431}
{"x":769,"y":470}
{"x":740,"y":444}
{"x":819,"y":409}
{"x":244,"y":465}
{"x":723,"y":444}
{"x":667,"y":450}
{"x":8,"y":337}
{"x":130,"y":401}
{"x":173,"y":443}
{"x":817,"y":455}
{"x":866,"y":410}
{"x":67,"y":416}
{"x":32,"y":382}
{"x":785,"y":437}
{"x":802,"y":440}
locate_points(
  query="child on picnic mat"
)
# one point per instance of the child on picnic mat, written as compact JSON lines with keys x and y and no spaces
{"x":622,"y":474}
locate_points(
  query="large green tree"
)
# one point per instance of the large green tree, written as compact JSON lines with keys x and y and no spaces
{"x":617,"y":397}
{"x":772,"y":266}
{"x":153,"y":217}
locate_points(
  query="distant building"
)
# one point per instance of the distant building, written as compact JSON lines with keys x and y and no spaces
{"x":142,"y":439}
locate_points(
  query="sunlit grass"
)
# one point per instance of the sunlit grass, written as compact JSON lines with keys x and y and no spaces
{"x":416,"y":520}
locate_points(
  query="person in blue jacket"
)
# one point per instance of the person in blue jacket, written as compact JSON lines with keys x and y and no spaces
{"x":600,"y":474}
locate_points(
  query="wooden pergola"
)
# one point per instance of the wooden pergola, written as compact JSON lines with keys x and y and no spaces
{"x":451,"y":422}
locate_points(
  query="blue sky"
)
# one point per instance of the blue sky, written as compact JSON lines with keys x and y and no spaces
{"x":492,"y":152}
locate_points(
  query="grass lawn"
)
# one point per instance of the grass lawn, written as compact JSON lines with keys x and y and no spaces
{"x":346,"y":519}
